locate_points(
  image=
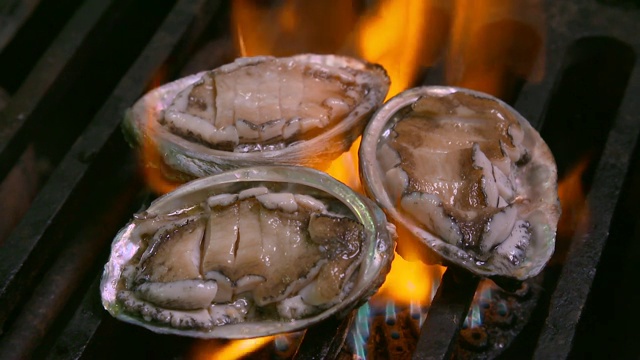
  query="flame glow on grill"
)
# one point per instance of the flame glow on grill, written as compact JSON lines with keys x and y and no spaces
{"x":571,"y":192}
{"x":240,"y":347}
{"x":152,"y":169}
{"x":495,"y":44}
{"x":410,"y":283}
{"x":391,"y":33}
{"x":403,"y":52}
{"x":152,"y":166}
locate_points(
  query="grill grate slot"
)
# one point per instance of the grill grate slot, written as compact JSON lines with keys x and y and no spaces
{"x":22,"y":39}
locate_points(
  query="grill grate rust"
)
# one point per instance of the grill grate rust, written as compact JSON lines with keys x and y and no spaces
{"x":51,"y":261}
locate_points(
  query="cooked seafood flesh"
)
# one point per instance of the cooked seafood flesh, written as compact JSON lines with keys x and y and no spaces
{"x":244,"y":254}
{"x":467,"y":176}
{"x":300,"y":110}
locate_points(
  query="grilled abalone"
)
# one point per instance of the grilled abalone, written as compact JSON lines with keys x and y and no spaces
{"x":300,"y":110}
{"x":247,"y":253}
{"x":467,"y":176}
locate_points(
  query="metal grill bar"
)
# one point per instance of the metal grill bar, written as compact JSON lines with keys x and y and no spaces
{"x":81,"y":328}
{"x":446,"y":315}
{"x":316,"y":345}
{"x":36,"y":321}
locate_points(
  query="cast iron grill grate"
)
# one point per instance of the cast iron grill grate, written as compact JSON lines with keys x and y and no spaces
{"x":61,"y":123}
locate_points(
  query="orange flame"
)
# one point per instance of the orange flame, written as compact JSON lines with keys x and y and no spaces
{"x":488,"y":46}
{"x":290,"y":27}
{"x":392,"y":33}
{"x":345,"y":167}
{"x":152,"y":166}
{"x":231,"y":350}
{"x":403,"y":35}
{"x":572,"y":194}
{"x":495,"y":44}
{"x":238,"y":348}
{"x":410,"y":282}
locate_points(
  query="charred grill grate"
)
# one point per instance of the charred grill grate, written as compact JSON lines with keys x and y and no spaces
{"x":61,"y":123}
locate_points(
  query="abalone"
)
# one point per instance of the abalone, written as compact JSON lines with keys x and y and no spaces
{"x":300,"y":110}
{"x":246,"y":253}
{"x":467,"y":177}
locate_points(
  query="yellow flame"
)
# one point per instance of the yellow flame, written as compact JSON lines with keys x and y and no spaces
{"x":236,"y":349}
{"x":402,"y":35}
{"x":152,"y":168}
{"x":345,"y":167}
{"x":410,"y":282}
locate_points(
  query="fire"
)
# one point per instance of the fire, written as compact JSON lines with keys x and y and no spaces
{"x":152,"y":166}
{"x":489,"y":46}
{"x":345,"y":167}
{"x":289,"y":27}
{"x":571,"y":192}
{"x":232,"y":350}
{"x":391,"y":33}
{"x":410,"y":282}
{"x":495,"y":44}
{"x":152,"y":169}
{"x":403,"y":35}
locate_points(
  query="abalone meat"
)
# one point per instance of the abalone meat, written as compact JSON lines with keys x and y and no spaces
{"x":246,"y":253}
{"x":466,"y":176}
{"x":300,"y":110}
